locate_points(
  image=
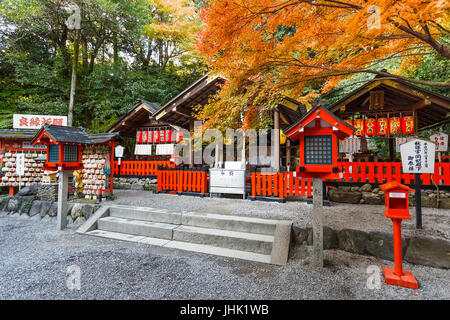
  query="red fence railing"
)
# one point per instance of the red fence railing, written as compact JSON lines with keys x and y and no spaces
{"x":382,"y":172}
{"x":279,"y":185}
{"x":139,"y":168}
{"x":183,"y":180}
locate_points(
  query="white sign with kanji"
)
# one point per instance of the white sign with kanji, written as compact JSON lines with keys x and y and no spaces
{"x":418,"y":156}
{"x":20,"y":164}
{"x":32,"y":121}
{"x":118,"y":150}
{"x":350,"y":144}
{"x":401,"y":140}
{"x":441,"y":141}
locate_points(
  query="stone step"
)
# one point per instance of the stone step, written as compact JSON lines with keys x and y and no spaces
{"x":242,"y":241}
{"x":193,"y":247}
{"x":137,"y":227}
{"x":255,"y":239}
{"x":127,"y":237}
{"x":218,"y":251}
{"x":229,"y":222}
{"x":146,"y":214}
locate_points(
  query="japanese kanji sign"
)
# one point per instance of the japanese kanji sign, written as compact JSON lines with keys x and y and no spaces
{"x":350,"y":144}
{"x":418,"y":156}
{"x":441,"y":141}
{"x":30,"y":121}
{"x":118,"y":150}
{"x":20,"y":164}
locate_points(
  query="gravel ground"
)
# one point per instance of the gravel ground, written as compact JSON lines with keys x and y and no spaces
{"x":436,"y":222}
{"x":35,"y":257}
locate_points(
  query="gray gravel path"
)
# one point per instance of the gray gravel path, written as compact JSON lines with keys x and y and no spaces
{"x":34,"y":258}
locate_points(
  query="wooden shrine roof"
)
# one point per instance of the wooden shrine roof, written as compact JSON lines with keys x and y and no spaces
{"x":179,"y":111}
{"x":138,"y":116}
{"x":399,"y":97}
{"x":65,"y":134}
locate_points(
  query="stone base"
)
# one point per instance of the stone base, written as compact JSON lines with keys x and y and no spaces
{"x":407,"y":280}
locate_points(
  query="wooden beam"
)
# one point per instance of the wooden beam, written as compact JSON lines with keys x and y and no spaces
{"x":182,"y":111}
{"x":421,"y":104}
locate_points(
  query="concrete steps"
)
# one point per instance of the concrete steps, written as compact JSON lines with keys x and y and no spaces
{"x":255,"y":239}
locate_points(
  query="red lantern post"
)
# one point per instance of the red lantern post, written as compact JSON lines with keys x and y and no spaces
{"x":397,"y":209}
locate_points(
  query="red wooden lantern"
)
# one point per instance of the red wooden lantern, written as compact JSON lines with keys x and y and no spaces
{"x":382,"y":126}
{"x":394,"y":125}
{"x":63,"y":146}
{"x":156,"y":136}
{"x":318,"y":133}
{"x":168,"y":136}
{"x":144,"y":136}
{"x":370,"y":126}
{"x":162,"y":136}
{"x":408,"y":124}
{"x":359,"y":125}
{"x":138,"y":136}
{"x":150,"y":136}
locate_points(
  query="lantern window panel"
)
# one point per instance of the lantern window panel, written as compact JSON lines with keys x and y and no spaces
{"x":70,"y":153}
{"x":318,"y":149}
{"x":53,"y":153}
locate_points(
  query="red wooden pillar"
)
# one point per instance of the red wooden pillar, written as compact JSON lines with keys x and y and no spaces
{"x":253,"y":177}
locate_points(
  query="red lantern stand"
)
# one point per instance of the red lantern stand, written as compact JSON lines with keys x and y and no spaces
{"x":397,"y":209}
{"x":63,"y":154}
{"x":318,"y":132}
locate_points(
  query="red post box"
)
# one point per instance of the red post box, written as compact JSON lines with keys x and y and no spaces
{"x":397,"y":209}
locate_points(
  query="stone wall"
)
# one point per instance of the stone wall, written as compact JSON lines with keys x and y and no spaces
{"x":29,"y":206}
{"x":47,"y":192}
{"x":368,"y":195}
{"x":416,"y":249}
{"x":135,"y":183}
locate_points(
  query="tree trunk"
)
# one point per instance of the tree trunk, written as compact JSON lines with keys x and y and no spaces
{"x":74,"y":79}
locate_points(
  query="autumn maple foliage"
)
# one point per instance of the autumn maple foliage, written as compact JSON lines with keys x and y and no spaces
{"x":270,"y":48}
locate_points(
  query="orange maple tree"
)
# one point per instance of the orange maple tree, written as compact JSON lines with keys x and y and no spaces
{"x":270,"y":48}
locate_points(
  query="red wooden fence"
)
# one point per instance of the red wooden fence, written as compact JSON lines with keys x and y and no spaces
{"x":279,"y":185}
{"x":182,"y":180}
{"x":140,"y":168}
{"x":382,"y":172}
{"x":282,"y":184}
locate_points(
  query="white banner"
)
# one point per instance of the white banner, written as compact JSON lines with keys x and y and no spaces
{"x":33,"y":121}
{"x":20,"y":164}
{"x":143,"y":149}
{"x":350,"y":144}
{"x":418,"y":156}
{"x":401,"y":140}
{"x":441,"y":141}
{"x":164,"y":149}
